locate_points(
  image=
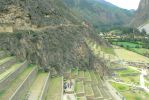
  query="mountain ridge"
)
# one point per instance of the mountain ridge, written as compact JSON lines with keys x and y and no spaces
{"x":104,"y":13}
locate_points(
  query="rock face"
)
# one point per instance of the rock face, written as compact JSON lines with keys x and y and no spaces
{"x":46,"y":34}
{"x":142,"y":14}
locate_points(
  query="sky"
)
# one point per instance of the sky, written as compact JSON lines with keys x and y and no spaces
{"x":127,"y":4}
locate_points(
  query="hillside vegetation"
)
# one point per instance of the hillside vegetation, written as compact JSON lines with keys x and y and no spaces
{"x":100,"y":13}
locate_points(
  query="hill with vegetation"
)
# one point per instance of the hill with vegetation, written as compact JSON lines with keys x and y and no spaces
{"x":47,"y":33}
{"x":99,"y":13}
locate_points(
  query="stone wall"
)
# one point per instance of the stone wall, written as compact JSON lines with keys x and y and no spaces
{"x":7,"y":80}
{"x":7,"y":64}
{"x":22,"y":89}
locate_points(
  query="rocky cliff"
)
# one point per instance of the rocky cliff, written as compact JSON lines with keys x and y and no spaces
{"x":142,"y":14}
{"x":46,"y":33}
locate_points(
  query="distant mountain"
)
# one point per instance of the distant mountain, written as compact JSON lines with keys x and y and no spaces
{"x":99,"y":13}
{"x":142,"y":14}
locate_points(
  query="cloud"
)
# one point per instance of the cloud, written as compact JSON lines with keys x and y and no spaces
{"x":127,"y":4}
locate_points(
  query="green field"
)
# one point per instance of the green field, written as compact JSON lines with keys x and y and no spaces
{"x":127,"y":44}
{"x":141,"y":51}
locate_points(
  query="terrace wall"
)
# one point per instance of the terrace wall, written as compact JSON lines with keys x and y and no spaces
{"x":45,"y":88}
{"x":7,"y":80}
{"x":7,"y":64}
{"x":22,"y":89}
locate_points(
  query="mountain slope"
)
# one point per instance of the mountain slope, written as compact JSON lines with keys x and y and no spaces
{"x":47,"y":33}
{"x":142,"y":14}
{"x":100,"y":13}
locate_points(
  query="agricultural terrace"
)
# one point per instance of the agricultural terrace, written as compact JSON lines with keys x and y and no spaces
{"x":130,"y":56}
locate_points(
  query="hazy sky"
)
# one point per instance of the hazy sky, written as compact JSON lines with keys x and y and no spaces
{"x":127,"y":4}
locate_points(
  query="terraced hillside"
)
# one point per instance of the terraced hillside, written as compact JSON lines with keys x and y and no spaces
{"x":88,"y":85}
{"x":46,"y":33}
{"x":17,"y":78}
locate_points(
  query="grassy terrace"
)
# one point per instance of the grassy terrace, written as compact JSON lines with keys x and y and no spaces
{"x":93,"y":77}
{"x":97,"y":92}
{"x":105,"y":93}
{"x":88,"y":90}
{"x":130,"y":56}
{"x":37,"y":86}
{"x":81,"y":74}
{"x":129,"y":93}
{"x":55,"y":89}
{"x":5,"y":60}
{"x":120,"y":87}
{"x":79,"y":87}
{"x":81,"y":98}
{"x":129,"y":70}
{"x":125,"y":44}
{"x":74,"y":72}
{"x":9,"y":71}
{"x":4,"y":95}
{"x":99,"y":79}
{"x":87,"y":76}
{"x":131,"y":79}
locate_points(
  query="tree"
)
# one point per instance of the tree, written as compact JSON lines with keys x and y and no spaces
{"x":143,"y":31}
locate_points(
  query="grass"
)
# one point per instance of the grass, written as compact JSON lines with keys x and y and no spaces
{"x":93,"y":77}
{"x":127,"y":44}
{"x":87,"y":75}
{"x":5,"y":60}
{"x":37,"y":86}
{"x":9,"y":71}
{"x":88,"y":90}
{"x":141,"y":51}
{"x":136,"y":95}
{"x":81,"y":74}
{"x":81,"y":98}
{"x":55,"y":89}
{"x":129,"y":70}
{"x":4,"y":95}
{"x":119,"y":87}
{"x":79,"y":87}
{"x":131,"y":79}
{"x":130,"y":94}
{"x":130,"y":56}
{"x":74,"y":72}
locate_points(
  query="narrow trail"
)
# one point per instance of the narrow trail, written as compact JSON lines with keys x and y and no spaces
{"x":142,"y":80}
{"x":49,"y":27}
